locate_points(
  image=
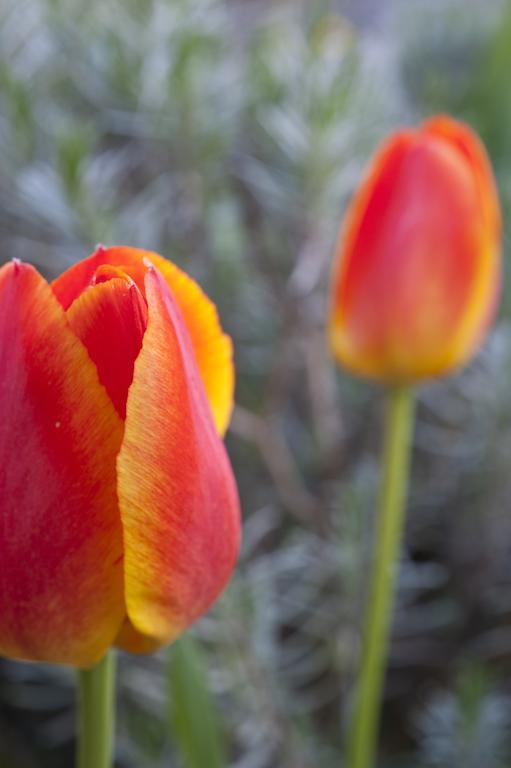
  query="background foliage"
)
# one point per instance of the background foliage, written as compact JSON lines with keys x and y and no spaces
{"x":228,"y":136}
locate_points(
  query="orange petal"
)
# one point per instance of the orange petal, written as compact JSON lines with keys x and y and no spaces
{"x":177,"y":495}
{"x":61,"y":595}
{"x":110,"y":319}
{"x":212,"y":347}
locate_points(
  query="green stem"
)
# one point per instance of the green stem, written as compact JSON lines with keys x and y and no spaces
{"x":395,"y":468}
{"x":97,"y":713}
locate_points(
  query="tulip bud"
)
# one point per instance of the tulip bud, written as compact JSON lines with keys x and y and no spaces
{"x":417,"y":267}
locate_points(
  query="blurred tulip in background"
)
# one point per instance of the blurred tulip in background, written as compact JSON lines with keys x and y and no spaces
{"x":418,"y":262}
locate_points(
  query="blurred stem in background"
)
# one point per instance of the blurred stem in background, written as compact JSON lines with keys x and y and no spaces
{"x":395,"y":469}
{"x":194,"y":723}
{"x":96,"y":714}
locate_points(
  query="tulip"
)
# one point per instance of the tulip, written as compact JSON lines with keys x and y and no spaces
{"x":414,"y":289}
{"x":119,"y":515}
{"x":417,"y":268}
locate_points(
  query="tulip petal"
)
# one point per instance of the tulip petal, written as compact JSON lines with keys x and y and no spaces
{"x":471,"y":148}
{"x":177,"y":495}
{"x":110,"y":318}
{"x":61,"y":576}
{"x":212,"y":347}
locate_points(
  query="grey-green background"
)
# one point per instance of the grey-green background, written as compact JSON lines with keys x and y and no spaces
{"x":228,"y":137}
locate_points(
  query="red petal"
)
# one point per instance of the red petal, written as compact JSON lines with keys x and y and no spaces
{"x":110,"y":319}
{"x":177,"y":495}
{"x":61,"y":580}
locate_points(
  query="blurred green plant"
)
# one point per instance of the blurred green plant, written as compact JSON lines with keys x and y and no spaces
{"x":192,"y":711}
{"x":469,"y":726}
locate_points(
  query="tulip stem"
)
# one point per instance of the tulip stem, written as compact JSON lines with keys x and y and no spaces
{"x":394,"y":482}
{"x":96,"y":714}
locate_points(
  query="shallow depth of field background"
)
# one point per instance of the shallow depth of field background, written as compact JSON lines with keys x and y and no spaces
{"x":228,"y":136}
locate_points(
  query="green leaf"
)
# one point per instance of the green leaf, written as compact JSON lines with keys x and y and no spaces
{"x":193,"y":717}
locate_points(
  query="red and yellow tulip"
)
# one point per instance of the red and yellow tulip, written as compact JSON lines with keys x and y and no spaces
{"x":417,"y":269}
{"x":119,"y":515}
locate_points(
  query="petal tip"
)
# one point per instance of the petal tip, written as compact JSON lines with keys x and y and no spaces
{"x":149,"y":264}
